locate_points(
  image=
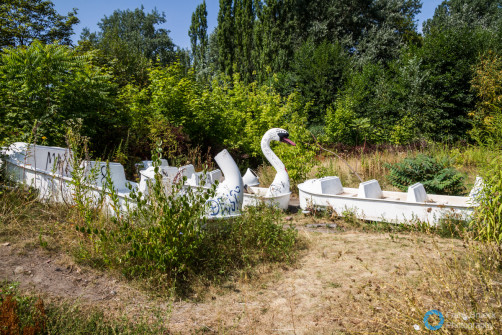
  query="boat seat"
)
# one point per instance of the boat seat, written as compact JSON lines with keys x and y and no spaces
{"x":326,"y":185}
{"x":187,"y":170}
{"x":250,"y":178}
{"x":117,"y":174}
{"x":143,"y":165}
{"x":370,"y":190}
{"x":416,"y":193}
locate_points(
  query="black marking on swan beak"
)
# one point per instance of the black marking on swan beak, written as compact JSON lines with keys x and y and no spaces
{"x":283,"y":137}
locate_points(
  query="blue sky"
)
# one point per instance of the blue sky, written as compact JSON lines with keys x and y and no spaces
{"x":178,"y":13}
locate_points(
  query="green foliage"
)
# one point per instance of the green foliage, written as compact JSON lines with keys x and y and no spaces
{"x":128,"y":41}
{"x":487,"y":118}
{"x":449,"y":54}
{"x":250,"y":110}
{"x":166,"y":238}
{"x":198,"y":36}
{"x":339,"y":121}
{"x":244,"y":13}
{"x":300,"y":159}
{"x":182,"y":102}
{"x":257,"y":236}
{"x":25,"y":314}
{"x":51,"y":84}
{"x":23,"y":21}
{"x":231,"y":114}
{"x":470,"y":13}
{"x":225,"y":38}
{"x":487,"y":223}
{"x":263,"y":36}
{"x":161,"y":232}
{"x":437,"y":176}
{"x":317,"y":73}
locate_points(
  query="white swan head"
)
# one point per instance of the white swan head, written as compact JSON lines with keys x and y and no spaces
{"x":279,"y":135}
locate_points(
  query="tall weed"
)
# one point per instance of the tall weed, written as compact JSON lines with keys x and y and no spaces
{"x":487,"y":223}
{"x":166,"y":239}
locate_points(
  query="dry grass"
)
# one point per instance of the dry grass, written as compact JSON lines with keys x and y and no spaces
{"x":372,"y":164}
{"x":351,"y":280}
{"x":348,"y":282}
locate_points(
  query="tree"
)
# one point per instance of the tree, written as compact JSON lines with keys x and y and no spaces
{"x":50,"y":84}
{"x":368,"y":28}
{"x":225,"y":33}
{"x":487,"y":117}
{"x":276,"y":35}
{"x":317,"y":73}
{"x":22,"y":21}
{"x":458,"y":33}
{"x":198,"y":36}
{"x":486,"y":14}
{"x":129,"y":41}
{"x":244,"y":23}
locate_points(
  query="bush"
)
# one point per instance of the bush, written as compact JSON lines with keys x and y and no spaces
{"x":166,"y":239}
{"x":160,"y":233}
{"x":47,"y":84}
{"x":437,"y":175}
{"x":487,"y":117}
{"x":257,"y":236}
{"x":487,"y":223}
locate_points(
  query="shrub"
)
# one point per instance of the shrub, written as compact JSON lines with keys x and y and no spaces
{"x":25,"y":314}
{"x":255,"y":237}
{"x":51,"y":83}
{"x":487,"y":223}
{"x":166,"y":239}
{"x":437,"y":175}
{"x":487,"y":117}
{"x":160,"y":233}
{"x":20,"y":315}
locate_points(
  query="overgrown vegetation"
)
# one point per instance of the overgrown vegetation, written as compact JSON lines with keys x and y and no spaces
{"x":374,"y":80}
{"x":487,"y":223}
{"x":358,"y":76}
{"x":165,"y":237}
{"x":437,"y":175}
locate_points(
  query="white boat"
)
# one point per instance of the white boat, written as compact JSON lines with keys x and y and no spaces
{"x":147,"y":170}
{"x":258,"y":196}
{"x":278,"y":193}
{"x":50,"y":171}
{"x":369,"y":202}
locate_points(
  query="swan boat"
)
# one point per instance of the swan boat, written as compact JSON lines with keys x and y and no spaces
{"x":369,"y":202}
{"x":50,"y":171}
{"x":278,"y":193}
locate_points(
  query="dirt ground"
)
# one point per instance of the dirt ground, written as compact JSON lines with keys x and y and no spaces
{"x":318,"y":295}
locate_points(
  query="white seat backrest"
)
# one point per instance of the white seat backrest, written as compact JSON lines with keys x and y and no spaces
{"x":416,"y":193}
{"x":370,"y":190}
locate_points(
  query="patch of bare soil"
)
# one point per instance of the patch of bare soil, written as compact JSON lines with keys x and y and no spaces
{"x":319,"y":295}
{"x":54,"y":275}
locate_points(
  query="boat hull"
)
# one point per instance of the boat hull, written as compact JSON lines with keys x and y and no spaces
{"x":49,"y":170}
{"x":258,"y":197}
{"x":392,"y":207}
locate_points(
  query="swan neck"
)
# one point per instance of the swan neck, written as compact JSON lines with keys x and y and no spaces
{"x":229,"y":169}
{"x":271,"y":156}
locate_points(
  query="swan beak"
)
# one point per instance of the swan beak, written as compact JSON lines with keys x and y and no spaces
{"x":288,"y":141}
